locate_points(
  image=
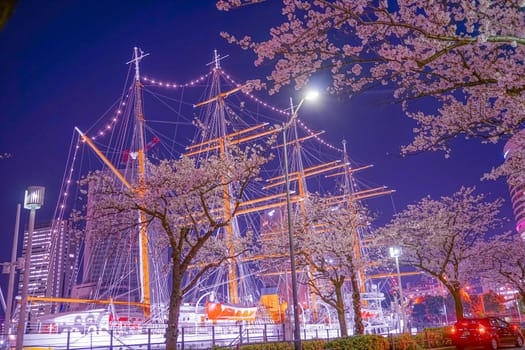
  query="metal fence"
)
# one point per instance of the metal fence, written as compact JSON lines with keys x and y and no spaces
{"x":152,"y":337}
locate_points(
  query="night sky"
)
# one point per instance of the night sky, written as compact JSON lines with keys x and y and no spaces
{"x":63,"y":65}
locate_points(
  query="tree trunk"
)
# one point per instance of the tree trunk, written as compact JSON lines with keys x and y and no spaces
{"x":341,"y":310}
{"x":458,"y":304}
{"x":172,"y":330}
{"x":359,"y":328}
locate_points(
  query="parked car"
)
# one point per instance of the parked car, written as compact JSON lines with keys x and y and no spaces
{"x":486,"y":332}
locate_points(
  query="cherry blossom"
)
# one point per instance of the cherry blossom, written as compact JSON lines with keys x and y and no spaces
{"x":505,"y":263}
{"x":464,"y":58}
{"x":442,"y":238}
{"x":326,"y":244}
{"x":183,"y":202}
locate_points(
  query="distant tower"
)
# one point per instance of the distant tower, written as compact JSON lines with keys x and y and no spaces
{"x":517,"y":188}
{"x":110,"y":265}
{"x":54,"y":252}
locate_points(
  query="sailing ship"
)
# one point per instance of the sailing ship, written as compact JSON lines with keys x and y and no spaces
{"x":123,"y":283}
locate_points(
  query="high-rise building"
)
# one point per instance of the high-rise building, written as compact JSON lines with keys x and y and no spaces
{"x":514,"y":148}
{"x":110,"y":264}
{"x":52,"y":270}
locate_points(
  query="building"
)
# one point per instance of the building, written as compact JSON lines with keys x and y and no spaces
{"x":52,"y":269}
{"x":424,"y":286}
{"x":513,"y":151}
{"x":110,"y":264}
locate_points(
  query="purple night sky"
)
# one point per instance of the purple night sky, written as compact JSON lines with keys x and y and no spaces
{"x":63,"y":65}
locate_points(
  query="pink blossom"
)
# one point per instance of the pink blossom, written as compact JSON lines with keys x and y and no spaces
{"x":464,"y":56}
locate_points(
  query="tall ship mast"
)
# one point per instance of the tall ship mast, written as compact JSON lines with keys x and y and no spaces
{"x":128,"y":272}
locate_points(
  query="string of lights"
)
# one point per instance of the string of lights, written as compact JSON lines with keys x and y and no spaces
{"x":109,"y":126}
{"x":316,"y":136}
{"x":176,"y":85}
{"x":122,"y":104}
{"x":252,"y":97}
{"x":68,"y":181}
{"x":194,"y":82}
{"x":283,"y":112}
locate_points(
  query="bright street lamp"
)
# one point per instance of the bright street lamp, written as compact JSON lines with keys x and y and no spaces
{"x":34,"y":199}
{"x":395,"y":252}
{"x":311,"y":95}
{"x":297,"y":331}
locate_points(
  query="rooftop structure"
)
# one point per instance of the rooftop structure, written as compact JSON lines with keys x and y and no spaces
{"x":513,"y":148}
{"x":54,"y":253}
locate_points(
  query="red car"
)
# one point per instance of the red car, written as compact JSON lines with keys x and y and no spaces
{"x":487,"y":333}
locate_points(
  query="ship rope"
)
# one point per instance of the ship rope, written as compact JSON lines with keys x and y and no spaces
{"x":172,"y":123}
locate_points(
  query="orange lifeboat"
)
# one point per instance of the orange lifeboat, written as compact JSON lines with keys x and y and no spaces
{"x":219,"y":311}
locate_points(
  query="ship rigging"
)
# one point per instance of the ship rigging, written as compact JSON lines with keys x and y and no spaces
{"x":129,"y":272}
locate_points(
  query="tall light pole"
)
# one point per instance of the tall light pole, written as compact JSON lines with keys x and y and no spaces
{"x":517,"y":301}
{"x":12,"y":270}
{"x":395,"y":252}
{"x":444,"y":296}
{"x":34,"y":199}
{"x":297,"y":330}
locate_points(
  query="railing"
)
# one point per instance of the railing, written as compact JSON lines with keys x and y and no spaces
{"x":152,"y":336}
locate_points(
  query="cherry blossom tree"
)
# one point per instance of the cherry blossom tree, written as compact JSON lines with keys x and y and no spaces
{"x":184,"y":201}
{"x":513,"y":169}
{"x":328,"y":247}
{"x":486,"y":304}
{"x":464,"y":58}
{"x":440,"y":237}
{"x":505,"y":262}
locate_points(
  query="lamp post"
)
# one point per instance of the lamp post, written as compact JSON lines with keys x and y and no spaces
{"x":517,"y":301}
{"x":12,"y":270}
{"x":34,"y":199}
{"x":297,"y":331}
{"x":395,"y":252}
{"x":444,"y":296}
